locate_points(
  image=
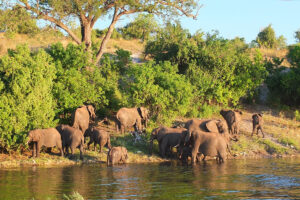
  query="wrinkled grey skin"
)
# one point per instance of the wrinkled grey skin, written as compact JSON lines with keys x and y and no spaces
{"x":132,"y":117}
{"x":207,"y":143}
{"x":206,"y":125}
{"x":233,"y":120}
{"x":117,"y":155}
{"x":71,"y":138}
{"x":49,"y":137}
{"x":257,"y":122}
{"x":166,"y":142}
{"x":81,"y":117}
{"x":214,"y":126}
{"x":98,"y":136}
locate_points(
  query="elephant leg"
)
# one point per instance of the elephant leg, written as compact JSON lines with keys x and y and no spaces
{"x":38,"y":149}
{"x":262,"y":132}
{"x":203,"y":159}
{"x":95,"y":146}
{"x":81,"y":152}
{"x":34,"y":149}
{"x":194,"y":153}
{"x":88,"y":145}
{"x":163,"y":147}
{"x":100,"y":150}
{"x":254,"y":130}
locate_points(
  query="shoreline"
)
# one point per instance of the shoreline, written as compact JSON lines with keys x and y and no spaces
{"x":48,"y":161}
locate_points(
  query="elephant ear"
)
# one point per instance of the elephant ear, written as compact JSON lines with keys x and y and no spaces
{"x":212,"y":126}
{"x":91,"y":110}
{"x":36,"y":135}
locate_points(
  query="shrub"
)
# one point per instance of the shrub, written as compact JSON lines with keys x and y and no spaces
{"x":141,"y":28}
{"x":294,"y":55}
{"x":267,"y":38}
{"x":159,"y":87}
{"x":77,"y":81}
{"x":26,"y":102}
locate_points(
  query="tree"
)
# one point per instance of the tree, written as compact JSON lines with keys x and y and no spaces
{"x":297,"y":35}
{"x":142,"y":27}
{"x":88,"y":12}
{"x":266,"y":38}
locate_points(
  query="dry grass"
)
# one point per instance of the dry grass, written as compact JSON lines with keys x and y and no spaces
{"x":271,"y":53}
{"x":44,"y":40}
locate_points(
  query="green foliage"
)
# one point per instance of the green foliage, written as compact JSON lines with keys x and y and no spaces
{"x":173,"y":44}
{"x":283,"y":84}
{"x":26,"y":102}
{"x":272,"y":147}
{"x":76,"y":81}
{"x":159,"y":87}
{"x":17,"y":20}
{"x":294,"y":55}
{"x":141,"y":28}
{"x":267,"y":38}
{"x":297,"y":115}
{"x":222,"y":71}
{"x":297,"y":35}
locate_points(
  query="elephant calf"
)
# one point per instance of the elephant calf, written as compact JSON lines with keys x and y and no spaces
{"x":49,"y":137}
{"x":71,"y":138}
{"x":98,"y":136}
{"x":257,"y":124}
{"x":117,"y":155}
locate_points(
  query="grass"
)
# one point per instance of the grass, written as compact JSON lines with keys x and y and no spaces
{"x":43,"y":40}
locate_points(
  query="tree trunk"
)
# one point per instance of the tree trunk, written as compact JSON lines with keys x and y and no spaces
{"x":107,"y":36}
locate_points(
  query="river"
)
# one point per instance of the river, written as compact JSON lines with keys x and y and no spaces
{"x":235,"y":179}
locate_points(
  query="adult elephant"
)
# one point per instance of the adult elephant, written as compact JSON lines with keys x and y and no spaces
{"x":132,"y":117}
{"x":216,"y":126}
{"x":233,"y":120}
{"x":166,"y":137}
{"x":71,"y":138}
{"x":206,"y":143}
{"x":49,"y":137}
{"x":98,"y":136}
{"x":81,"y":117}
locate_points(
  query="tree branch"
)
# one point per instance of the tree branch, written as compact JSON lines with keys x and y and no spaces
{"x":53,"y":20}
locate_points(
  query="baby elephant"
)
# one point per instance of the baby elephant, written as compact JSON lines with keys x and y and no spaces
{"x":49,"y":137}
{"x":117,"y":155}
{"x":98,"y":136}
{"x":257,"y":124}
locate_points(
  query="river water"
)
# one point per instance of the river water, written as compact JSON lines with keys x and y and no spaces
{"x":235,"y":179}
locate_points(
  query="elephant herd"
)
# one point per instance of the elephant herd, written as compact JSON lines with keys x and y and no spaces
{"x":196,"y":138}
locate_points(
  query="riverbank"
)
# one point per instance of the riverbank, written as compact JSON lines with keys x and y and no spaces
{"x":282,"y":139}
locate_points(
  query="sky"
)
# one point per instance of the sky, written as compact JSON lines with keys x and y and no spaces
{"x":246,"y":18}
{"x":241,"y":18}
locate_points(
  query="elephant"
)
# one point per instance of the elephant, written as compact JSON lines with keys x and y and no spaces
{"x":81,"y":117}
{"x":98,"y":136}
{"x":206,"y":143}
{"x":216,"y":126}
{"x":257,"y":124}
{"x":117,"y":155}
{"x":233,"y":119}
{"x":71,"y":138}
{"x":49,"y":137}
{"x":165,"y":144}
{"x":132,"y":117}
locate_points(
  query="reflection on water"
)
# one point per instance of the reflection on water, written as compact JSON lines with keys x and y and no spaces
{"x":235,"y":179}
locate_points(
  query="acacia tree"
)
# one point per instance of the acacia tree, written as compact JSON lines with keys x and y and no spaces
{"x":88,"y":12}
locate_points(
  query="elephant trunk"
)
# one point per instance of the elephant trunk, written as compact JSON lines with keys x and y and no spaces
{"x":187,"y":137}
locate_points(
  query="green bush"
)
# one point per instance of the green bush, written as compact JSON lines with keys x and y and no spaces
{"x":141,"y":28}
{"x":77,"y":81}
{"x":26,"y":101}
{"x":294,"y":55}
{"x":159,"y":87}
